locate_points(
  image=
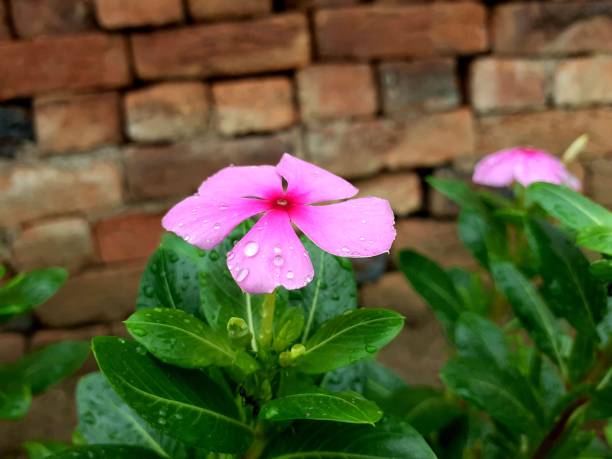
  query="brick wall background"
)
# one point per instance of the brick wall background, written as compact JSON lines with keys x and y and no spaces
{"x":112,"y":110}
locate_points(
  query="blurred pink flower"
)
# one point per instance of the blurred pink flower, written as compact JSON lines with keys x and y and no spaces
{"x":523,"y":165}
{"x":271,"y":253}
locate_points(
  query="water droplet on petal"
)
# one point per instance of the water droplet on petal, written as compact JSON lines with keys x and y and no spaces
{"x":345,"y":249}
{"x":204,"y":221}
{"x":277,"y":250}
{"x":308,"y":279}
{"x":230,"y":256}
{"x":278,"y":260}
{"x":364,"y":221}
{"x":251,"y":249}
{"x":217,"y":227}
{"x":362,"y":238}
{"x":242,"y":275}
{"x":290,"y":275}
{"x":223,"y":207}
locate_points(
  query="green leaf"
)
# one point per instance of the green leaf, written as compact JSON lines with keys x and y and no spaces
{"x":322,"y":405}
{"x":42,"y":450}
{"x":332,"y":291}
{"x":459,"y":192}
{"x":474,"y":296}
{"x":596,"y":238}
{"x":424,"y":408}
{"x":569,"y":206}
{"x":105,"y":452}
{"x":178,"y":338}
{"x":325,"y":440}
{"x":105,"y":419}
{"x":29,"y":290}
{"x":367,"y":377}
{"x":483,"y":236}
{"x":15,"y":400}
{"x":505,"y":395}
{"x":434,"y":285}
{"x":568,"y":285}
{"x":479,"y":338}
{"x":288,"y":328}
{"x":171,"y":278}
{"x":47,"y":366}
{"x":184,"y":404}
{"x":348,"y":338}
{"x":530,"y":310}
{"x":602,"y":270}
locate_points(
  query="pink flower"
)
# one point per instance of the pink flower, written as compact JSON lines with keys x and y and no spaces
{"x":523,"y":165}
{"x":271,"y":253}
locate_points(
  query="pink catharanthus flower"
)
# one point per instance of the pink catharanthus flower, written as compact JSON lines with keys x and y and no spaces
{"x":522,"y":165}
{"x":271,"y":254}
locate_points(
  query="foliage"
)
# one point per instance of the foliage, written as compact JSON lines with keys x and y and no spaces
{"x":212,"y":372}
{"x":37,"y":371}
{"x":530,"y":376}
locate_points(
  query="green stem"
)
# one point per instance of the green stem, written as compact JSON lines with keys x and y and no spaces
{"x":257,"y":446}
{"x":249,"y":311}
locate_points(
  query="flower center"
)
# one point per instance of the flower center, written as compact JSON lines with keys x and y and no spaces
{"x":282,"y":202}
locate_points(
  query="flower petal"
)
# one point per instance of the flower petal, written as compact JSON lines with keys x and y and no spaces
{"x":356,"y":228}
{"x":496,"y":169}
{"x":236,"y":182}
{"x":269,"y":255}
{"x":310,"y":184}
{"x":223,"y":201}
{"x":201,"y":222}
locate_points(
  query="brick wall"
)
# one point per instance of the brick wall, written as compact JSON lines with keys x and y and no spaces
{"x":112,"y":110}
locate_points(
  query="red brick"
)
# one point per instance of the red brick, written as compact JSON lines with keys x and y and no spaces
{"x":392,"y":291}
{"x":433,"y":140}
{"x":427,"y":85}
{"x":307,"y":4}
{"x":584,"y":81}
{"x":178,"y":170}
{"x":509,"y":84}
{"x":5,"y":30}
{"x":361,"y":148}
{"x":128,"y":237}
{"x":32,"y":191}
{"x":167,"y":111}
{"x":64,"y":242}
{"x":599,"y":184}
{"x":351,"y":149}
{"x":280,"y":42}
{"x":402,"y":190}
{"x":77,"y":123}
{"x":44,"y":338}
{"x":418,"y":353}
{"x":209,"y":10}
{"x":336,"y":91}
{"x":97,"y":295}
{"x":75,"y":62}
{"x":553,"y":28}
{"x":380,"y":31}
{"x":552,"y":130}
{"x":438,"y":240}
{"x":32,"y":18}
{"x":114,"y":14}
{"x":12,"y":346}
{"x":254,"y":105}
